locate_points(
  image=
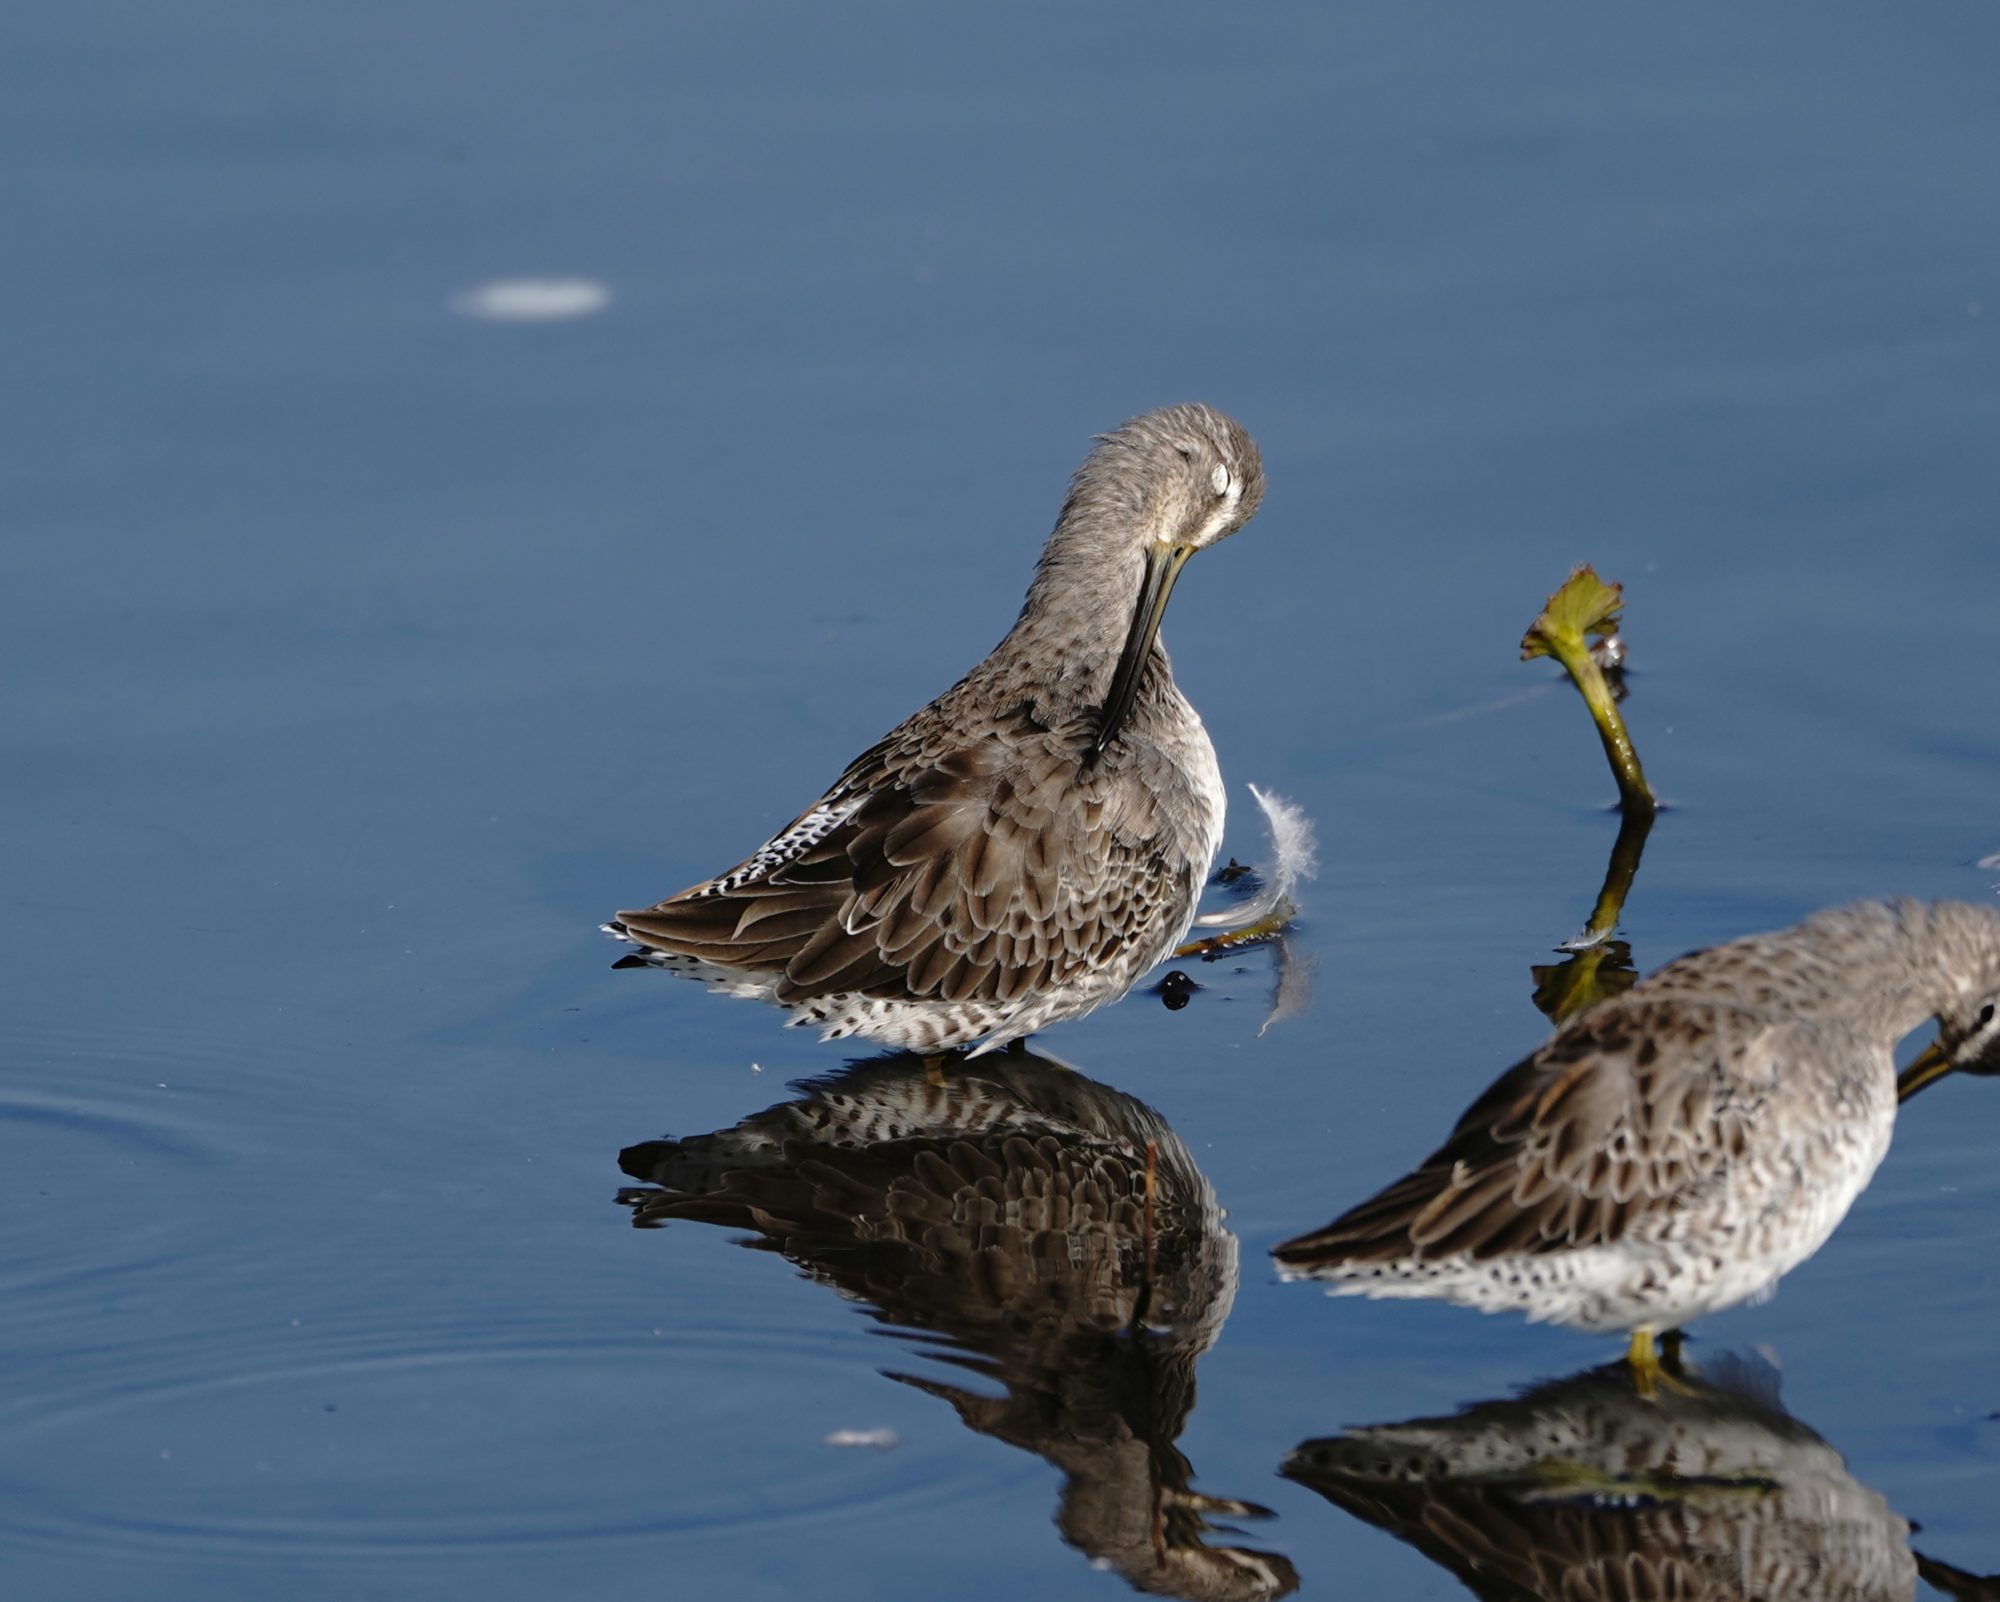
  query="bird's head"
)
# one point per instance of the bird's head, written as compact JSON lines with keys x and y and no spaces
{"x":1165,"y":485}
{"x":1968,"y":1026}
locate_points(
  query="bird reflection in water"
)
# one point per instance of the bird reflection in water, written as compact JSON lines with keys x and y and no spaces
{"x":1030,"y":1226}
{"x":1582,"y":1489}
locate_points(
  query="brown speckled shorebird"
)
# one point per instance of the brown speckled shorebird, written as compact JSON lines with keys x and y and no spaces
{"x":1672,"y":1151}
{"x":1027,"y":846}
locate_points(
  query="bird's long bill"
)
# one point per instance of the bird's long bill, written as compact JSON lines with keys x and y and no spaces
{"x":1928,"y":1069}
{"x":1163,"y":566}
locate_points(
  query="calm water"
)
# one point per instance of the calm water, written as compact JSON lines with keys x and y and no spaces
{"x":358,"y":656}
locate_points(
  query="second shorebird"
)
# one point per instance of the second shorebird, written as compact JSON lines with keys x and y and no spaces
{"x":1674,"y":1150}
{"x":1024,"y":848}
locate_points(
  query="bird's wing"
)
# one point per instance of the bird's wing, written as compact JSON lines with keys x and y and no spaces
{"x":1629,"y":1107}
{"x":981,"y":873}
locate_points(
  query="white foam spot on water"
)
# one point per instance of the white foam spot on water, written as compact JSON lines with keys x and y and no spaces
{"x":881,"y":1439}
{"x":532,"y":300}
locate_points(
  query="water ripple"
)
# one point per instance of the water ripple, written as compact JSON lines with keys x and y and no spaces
{"x":358,"y":1444}
{"x":122,"y":1151}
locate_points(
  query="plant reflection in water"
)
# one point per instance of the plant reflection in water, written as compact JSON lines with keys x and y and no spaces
{"x":1028,"y":1225}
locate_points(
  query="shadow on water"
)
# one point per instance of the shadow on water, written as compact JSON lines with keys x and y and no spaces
{"x":1580,"y":1488}
{"x":1029,"y":1226}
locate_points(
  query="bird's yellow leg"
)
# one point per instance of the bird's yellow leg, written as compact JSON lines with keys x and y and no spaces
{"x":1642,"y":1357}
{"x":1657,"y":1367}
{"x":934,"y":1062}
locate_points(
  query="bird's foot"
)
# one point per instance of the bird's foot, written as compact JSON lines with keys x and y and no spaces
{"x":1653,"y":1370}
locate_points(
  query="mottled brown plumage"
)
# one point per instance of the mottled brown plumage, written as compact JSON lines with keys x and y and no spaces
{"x":1674,"y":1149}
{"x":1024,"y":848}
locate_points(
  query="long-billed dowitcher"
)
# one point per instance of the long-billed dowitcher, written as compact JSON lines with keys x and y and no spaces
{"x":1025,"y":847}
{"x":1675,"y":1149}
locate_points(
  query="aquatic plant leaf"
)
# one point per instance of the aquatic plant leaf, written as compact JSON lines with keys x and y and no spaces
{"x":1585,"y":605}
{"x":1582,"y":605}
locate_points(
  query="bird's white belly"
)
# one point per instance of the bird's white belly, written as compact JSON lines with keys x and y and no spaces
{"x":1195,"y":758}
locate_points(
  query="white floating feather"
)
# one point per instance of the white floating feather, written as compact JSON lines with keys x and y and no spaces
{"x":1294,"y":856}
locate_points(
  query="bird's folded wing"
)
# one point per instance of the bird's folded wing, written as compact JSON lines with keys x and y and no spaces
{"x":1604,"y":1123}
{"x":983,"y":873}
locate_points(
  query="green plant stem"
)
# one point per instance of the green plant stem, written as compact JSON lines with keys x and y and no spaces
{"x":1266,"y":928}
{"x":1634,"y":794}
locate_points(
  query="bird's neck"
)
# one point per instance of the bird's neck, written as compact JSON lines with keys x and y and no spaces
{"x":1904,"y":970}
{"x":1907,"y":994}
{"x":1064,"y":647}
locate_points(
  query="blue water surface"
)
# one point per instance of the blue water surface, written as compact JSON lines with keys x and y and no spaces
{"x":358,"y":655}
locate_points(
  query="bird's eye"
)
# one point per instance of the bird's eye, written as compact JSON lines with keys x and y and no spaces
{"x":1187,"y":452}
{"x":1219,"y":479}
{"x":1985,"y":1016}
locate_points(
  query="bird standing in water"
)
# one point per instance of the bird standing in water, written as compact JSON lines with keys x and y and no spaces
{"x":1674,"y":1150}
{"x":1027,"y":846}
